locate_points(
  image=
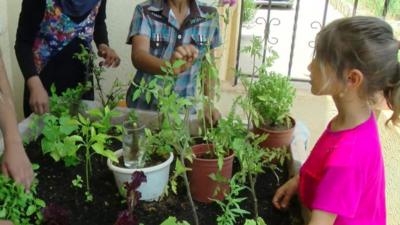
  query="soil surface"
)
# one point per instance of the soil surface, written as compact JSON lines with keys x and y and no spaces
{"x":55,"y":187}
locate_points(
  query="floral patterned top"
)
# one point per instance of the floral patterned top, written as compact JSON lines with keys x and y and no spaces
{"x":57,"y":30}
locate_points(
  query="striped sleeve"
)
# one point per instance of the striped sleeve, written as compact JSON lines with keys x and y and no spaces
{"x":140,"y":24}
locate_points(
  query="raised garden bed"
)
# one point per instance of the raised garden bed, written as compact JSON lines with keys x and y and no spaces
{"x":55,"y":188}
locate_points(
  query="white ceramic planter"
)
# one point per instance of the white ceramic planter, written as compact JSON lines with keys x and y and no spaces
{"x":157,"y":177}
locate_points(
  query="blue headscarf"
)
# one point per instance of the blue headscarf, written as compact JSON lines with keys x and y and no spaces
{"x":77,"y":8}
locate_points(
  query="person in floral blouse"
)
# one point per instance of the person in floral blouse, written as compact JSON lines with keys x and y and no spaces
{"x":49,"y":33}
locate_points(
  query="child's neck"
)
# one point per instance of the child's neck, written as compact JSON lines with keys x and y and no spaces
{"x":180,"y":9}
{"x":352,"y":111}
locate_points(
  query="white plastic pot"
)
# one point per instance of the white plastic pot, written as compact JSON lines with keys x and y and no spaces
{"x":157,"y":177}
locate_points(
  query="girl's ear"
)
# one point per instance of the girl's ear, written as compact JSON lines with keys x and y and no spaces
{"x":354,"y":78}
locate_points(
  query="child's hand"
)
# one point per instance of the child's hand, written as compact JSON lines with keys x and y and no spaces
{"x":285,"y":193}
{"x":110,"y":56}
{"x":187,"y":53}
{"x":212,"y":115}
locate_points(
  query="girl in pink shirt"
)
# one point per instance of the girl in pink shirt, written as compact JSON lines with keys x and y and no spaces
{"x":342,"y":182}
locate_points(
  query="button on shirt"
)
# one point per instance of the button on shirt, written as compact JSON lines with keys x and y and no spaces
{"x":155,"y":20}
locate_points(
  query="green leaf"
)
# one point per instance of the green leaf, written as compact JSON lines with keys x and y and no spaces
{"x":179,"y":168}
{"x":31,"y":209}
{"x":136,"y":94}
{"x":3,"y":213}
{"x":178,"y":64}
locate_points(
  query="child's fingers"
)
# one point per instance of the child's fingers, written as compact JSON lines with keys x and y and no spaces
{"x":182,"y":51}
{"x":177,"y":55}
{"x":195,"y":51}
{"x":286,"y":200}
{"x":278,"y":198}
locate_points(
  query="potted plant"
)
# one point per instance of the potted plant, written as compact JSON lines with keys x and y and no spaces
{"x":212,"y":164}
{"x":271,"y":97}
{"x":142,"y":151}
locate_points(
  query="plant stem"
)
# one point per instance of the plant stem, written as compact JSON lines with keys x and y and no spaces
{"x":253,"y":193}
{"x":189,"y":195}
{"x":248,"y":93}
{"x":87,"y":168}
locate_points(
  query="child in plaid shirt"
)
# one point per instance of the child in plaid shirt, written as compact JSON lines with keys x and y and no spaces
{"x":170,"y":30}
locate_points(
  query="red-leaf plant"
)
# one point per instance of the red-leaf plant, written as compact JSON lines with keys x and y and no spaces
{"x":127,"y":217}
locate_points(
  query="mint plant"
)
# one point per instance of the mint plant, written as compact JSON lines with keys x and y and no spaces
{"x":19,"y":206}
{"x":272,"y":96}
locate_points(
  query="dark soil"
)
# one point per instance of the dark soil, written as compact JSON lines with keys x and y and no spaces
{"x":55,"y":187}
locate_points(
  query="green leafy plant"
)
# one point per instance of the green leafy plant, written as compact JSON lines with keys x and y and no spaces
{"x":19,"y":206}
{"x":249,"y":10}
{"x":59,"y":138}
{"x":102,"y":119}
{"x":272,"y":96}
{"x":118,"y":89}
{"x":258,"y":221}
{"x":173,"y":114}
{"x":69,"y":102}
{"x":173,"y":221}
{"x":65,"y":136}
{"x":252,"y":158}
{"x":231,"y":205}
{"x":93,"y":142}
{"x":77,"y":182}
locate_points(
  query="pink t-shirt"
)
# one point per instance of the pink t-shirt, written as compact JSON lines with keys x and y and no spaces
{"x":344,"y":175}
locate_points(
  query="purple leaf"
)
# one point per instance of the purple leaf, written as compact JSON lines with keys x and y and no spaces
{"x":126,"y":218}
{"x":137,"y":179}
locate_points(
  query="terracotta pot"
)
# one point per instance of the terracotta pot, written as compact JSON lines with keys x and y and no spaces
{"x":202,"y":186}
{"x":276,"y":138}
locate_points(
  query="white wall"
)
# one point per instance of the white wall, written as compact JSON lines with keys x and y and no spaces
{"x":119,"y":15}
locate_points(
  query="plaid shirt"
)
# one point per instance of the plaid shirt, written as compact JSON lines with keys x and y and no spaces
{"x":155,"y":19}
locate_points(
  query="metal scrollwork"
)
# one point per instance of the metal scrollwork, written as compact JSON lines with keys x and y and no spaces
{"x":315,"y":25}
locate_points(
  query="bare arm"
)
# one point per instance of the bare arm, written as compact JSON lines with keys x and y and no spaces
{"x":141,"y":57}
{"x":15,"y":162}
{"x":319,"y":217}
{"x":144,"y":61}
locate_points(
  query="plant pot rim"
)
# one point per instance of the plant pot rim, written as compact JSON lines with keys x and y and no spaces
{"x":266,"y":129}
{"x":226,"y":158}
{"x":118,"y":169}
